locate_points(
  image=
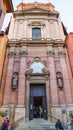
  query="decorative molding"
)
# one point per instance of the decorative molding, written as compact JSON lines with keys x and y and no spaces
{"x":36,"y":10}
{"x":36,"y":23}
{"x":23,"y":53}
{"x":37,"y":59}
{"x":62,"y":54}
{"x":29,"y":71}
{"x":11,"y":54}
{"x":44,"y":71}
{"x":43,"y":41}
{"x":50,"y":53}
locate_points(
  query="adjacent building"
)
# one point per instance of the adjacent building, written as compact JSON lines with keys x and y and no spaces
{"x":38,"y":69}
{"x":69,"y":44}
{"x":5,"y":7}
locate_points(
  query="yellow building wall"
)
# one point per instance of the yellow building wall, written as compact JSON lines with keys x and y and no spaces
{"x":3,"y":43}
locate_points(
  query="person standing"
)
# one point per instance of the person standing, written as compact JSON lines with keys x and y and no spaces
{"x":7,"y":123}
{"x":41,"y":111}
{"x":3,"y":127}
{"x":58,"y":125}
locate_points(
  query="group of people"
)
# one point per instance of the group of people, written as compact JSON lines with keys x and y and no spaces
{"x":37,"y":112}
{"x":5,"y":124}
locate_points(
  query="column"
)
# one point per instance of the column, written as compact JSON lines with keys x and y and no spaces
{"x":25,"y":29}
{"x":52,"y":29}
{"x":7,"y":93}
{"x":47,"y":34}
{"x":65,"y":75}
{"x":27,"y":99}
{"x":11,"y":29}
{"x":58,"y":69}
{"x":57,"y":32}
{"x":53,"y":82}
{"x":14,"y":96}
{"x":61,"y":29}
{"x":20,"y":29}
{"x":15,"y":29}
{"x":21,"y":91}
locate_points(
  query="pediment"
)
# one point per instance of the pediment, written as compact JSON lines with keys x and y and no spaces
{"x":37,"y":10}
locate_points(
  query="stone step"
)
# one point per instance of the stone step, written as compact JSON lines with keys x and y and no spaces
{"x":37,"y":124}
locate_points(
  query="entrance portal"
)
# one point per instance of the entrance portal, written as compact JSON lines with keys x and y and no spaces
{"x":37,"y":100}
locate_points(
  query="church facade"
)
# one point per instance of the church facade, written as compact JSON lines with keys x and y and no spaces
{"x":38,"y":72}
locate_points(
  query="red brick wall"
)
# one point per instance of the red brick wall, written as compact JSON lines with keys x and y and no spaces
{"x":69,"y":42}
{"x":18,"y":97}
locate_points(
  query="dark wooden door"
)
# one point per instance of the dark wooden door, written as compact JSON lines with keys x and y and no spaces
{"x":38,"y":98}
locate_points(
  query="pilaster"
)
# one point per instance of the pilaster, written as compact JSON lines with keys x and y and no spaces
{"x":57,"y":32}
{"x":11,"y":31}
{"x":65,"y":76}
{"x":7,"y":94}
{"x":14,"y":96}
{"x":58,"y":54}
{"x":47,"y":35}
{"x":53,"y":83}
{"x":15,"y":28}
{"x":21,"y":90}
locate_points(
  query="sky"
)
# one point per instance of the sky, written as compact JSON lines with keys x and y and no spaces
{"x":64,"y":7}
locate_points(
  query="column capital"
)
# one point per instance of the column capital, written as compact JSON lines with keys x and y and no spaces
{"x":23,"y":53}
{"x":50,"y":53}
{"x":11,"y":54}
{"x":62,"y":54}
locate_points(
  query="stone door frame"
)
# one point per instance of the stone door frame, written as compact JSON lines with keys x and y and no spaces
{"x":37,"y":79}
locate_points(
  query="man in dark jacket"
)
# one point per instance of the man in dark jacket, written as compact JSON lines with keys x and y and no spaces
{"x":58,"y":125}
{"x":3,"y":127}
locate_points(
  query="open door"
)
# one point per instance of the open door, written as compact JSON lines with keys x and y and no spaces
{"x":37,"y":99}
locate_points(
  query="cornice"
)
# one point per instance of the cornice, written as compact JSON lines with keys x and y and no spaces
{"x":43,"y":41}
{"x":29,"y":12}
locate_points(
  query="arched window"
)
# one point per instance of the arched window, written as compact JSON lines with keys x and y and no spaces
{"x":15,"y":80}
{"x":0,"y":11}
{"x":59,"y":80}
{"x":36,"y":32}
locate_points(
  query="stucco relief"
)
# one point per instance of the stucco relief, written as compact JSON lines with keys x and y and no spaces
{"x":50,"y":53}
{"x":61,"y":54}
{"x":12,"y":54}
{"x":36,"y":23}
{"x":23,"y":53}
{"x":37,"y":66}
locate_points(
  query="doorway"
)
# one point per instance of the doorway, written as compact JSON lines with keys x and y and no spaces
{"x":37,"y":99}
